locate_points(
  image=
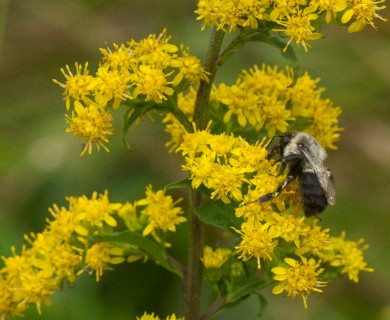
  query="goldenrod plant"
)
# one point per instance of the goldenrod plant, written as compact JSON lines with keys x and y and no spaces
{"x":221,"y":132}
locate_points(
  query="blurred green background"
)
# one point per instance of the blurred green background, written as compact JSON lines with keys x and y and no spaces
{"x":40,"y":163}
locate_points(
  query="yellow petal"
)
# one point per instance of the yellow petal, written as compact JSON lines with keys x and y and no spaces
{"x":117,"y":260}
{"x":279,"y":270}
{"x":110,"y":221}
{"x":280,"y":277}
{"x":278,"y":289}
{"x":291,"y":262}
{"x":347,"y":16}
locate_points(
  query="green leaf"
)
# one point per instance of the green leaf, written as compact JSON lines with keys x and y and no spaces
{"x":263,"y":304}
{"x":218,"y":214}
{"x":154,"y":250}
{"x":288,"y":53}
{"x":265,"y":37}
{"x":180,"y":184}
{"x":241,"y":292}
{"x":245,"y":288}
{"x":134,"y":112}
{"x":139,"y":107}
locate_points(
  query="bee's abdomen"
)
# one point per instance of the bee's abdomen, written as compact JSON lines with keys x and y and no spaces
{"x":313,"y":197}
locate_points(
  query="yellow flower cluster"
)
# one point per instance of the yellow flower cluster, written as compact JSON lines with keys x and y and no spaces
{"x":229,"y":166}
{"x":61,"y":251}
{"x":221,"y":269}
{"x":161,"y":212}
{"x":298,"y":278}
{"x":215,"y":259}
{"x":151,"y":316}
{"x":220,"y":162}
{"x":273,"y":234}
{"x":262,"y":99}
{"x":347,"y":255}
{"x":299,"y":19}
{"x":149,"y":70}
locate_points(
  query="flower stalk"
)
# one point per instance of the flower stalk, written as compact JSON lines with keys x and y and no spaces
{"x":210,"y":66}
{"x":193,"y":281}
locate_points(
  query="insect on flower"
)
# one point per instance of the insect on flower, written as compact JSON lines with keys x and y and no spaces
{"x":304,"y":157}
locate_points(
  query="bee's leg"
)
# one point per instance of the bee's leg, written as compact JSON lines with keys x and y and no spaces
{"x":282,"y":168}
{"x":281,"y":187}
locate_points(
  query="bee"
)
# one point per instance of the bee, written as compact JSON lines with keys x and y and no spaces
{"x":304,"y":157}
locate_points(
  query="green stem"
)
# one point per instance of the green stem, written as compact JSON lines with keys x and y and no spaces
{"x":193,"y":279}
{"x":211,"y":66}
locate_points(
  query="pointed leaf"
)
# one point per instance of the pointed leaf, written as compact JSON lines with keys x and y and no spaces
{"x":245,"y":288}
{"x":154,"y":250}
{"x":218,"y":214}
{"x":287,"y":51}
{"x":241,"y":292}
{"x":179,"y":184}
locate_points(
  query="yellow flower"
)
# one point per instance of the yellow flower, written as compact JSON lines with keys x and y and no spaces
{"x":134,"y":222}
{"x":190,"y":68}
{"x":186,"y":103}
{"x":363,"y":12}
{"x":314,"y":240}
{"x":110,"y":84}
{"x":120,"y":58}
{"x":155,"y":51}
{"x":53,"y":255}
{"x":226,"y":181}
{"x":231,"y":13}
{"x":151,"y":316}
{"x":200,"y":169}
{"x":173,"y":317}
{"x":64,"y":223}
{"x":36,"y":286}
{"x":298,"y":278}
{"x":299,"y":29}
{"x":215,"y":259}
{"x":265,"y":181}
{"x":258,"y":241}
{"x":248,"y":157}
{"x":9,"y":308}
{"x":277,"y":116}
{"x":195,"y":143}
{"x":152,"y":83}
{"x":347,"y":255}
{"x":176,"y":131}
{"x":306,"y":102}
{"x":241,"y":103}
{"x":147,"y":316}
{"x":161,"y":212}
{"x":291,"y":228}
{"x":78,"y":86}
{"x":331,"y":7}
{"x":93,"y":213}
{"x":101,"y":255}
{"x":258,"y":97}
{"x":324,"y":123}
{"x":28,"y":283}
{"x":303,"y":94}
{"x":92,"y":124}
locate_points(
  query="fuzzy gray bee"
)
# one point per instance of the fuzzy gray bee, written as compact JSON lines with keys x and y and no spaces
{"x":304,"y":157}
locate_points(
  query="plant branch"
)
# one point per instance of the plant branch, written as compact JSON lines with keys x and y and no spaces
{"x":211,"y":66}
{"x":193,"y":278}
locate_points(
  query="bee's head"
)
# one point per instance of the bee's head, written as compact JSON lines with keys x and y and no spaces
{"x":277,"y":145}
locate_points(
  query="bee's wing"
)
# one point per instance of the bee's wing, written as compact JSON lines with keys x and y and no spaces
{"x":322,"y":174}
